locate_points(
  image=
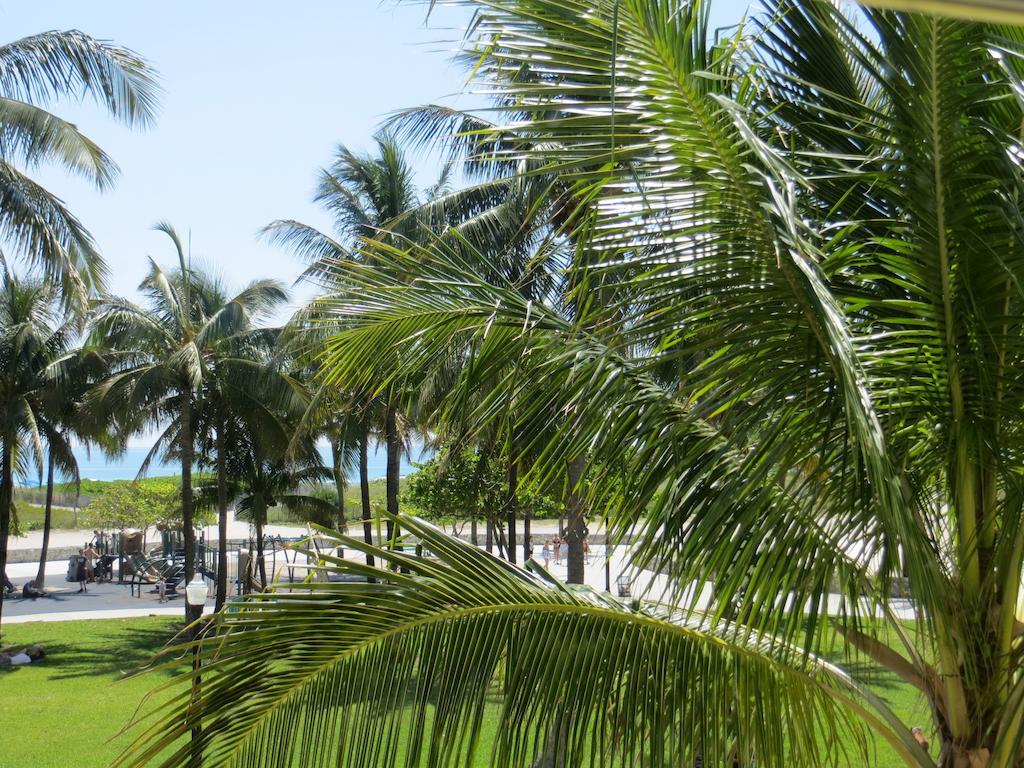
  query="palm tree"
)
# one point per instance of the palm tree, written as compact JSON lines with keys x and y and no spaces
{"x":331,"y":415}
{"x":799,"y":389}
{"x":346,"y":419}
{"x":520,"y":215}
{"x":244,"y":386}
{"x":39,"y":70}
{"x":34,"y":334}
{"x":266,"y":469}
{"x":373,"y":198}
{"x":175,"y":357}
{"x":73,"y":375}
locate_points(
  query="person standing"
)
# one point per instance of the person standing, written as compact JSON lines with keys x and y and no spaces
{"x":90,"y":556}
{"x":80,"y":568}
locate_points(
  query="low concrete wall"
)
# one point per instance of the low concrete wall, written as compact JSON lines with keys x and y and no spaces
{"x":32,"y":555}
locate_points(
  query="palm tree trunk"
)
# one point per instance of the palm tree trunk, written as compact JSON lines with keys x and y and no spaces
{"x":527,"y":541}
{"x":510,"y":508}
{"x":576,"y":523}
{"x":553,"y":755}
{"x":222,"y":517}
{"x":364,"y":491}
{"x":339,"y":489}
{"x":261,"y":562}
{"x":500,"y":539}
{"x":339,"y":483}
{"x":489,"y":535}
{"x":47,"y":520}
{"x":188,"y":530}
{"x":6,"y":498}
{"x":393,"y":445}
{"x":474,"y":539}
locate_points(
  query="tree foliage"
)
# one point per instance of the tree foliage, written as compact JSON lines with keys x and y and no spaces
{"x":785,"y":350}
{"x":136,"y":505}
{"x":36,"y":71}
{"x":463,"y":484}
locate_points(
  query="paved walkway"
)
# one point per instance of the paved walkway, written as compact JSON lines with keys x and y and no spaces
{"x":65,"y":603}
{"x":115,"y":601}
{"x":111,"y":601}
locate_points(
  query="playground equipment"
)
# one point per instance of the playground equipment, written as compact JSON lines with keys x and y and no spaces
{"x":287,"y":560}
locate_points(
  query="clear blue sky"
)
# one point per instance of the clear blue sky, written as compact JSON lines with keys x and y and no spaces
{"x":257,"y":95}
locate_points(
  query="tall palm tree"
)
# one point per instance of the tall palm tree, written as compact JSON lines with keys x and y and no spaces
{"x":330,"y":415}
{"x":520,"y":215}
{"x":799,"y":389}
{"x":175,"y":356}
{"x":373,"y":198}
{"x":34,"y":334}
{"x":245,"y":387}
{"x":73,"y":375}
{"x":345,"y":418}
{"x":37,"y":71}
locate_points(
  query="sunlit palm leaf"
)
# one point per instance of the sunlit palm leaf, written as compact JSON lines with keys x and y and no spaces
{"x":402,"y":672}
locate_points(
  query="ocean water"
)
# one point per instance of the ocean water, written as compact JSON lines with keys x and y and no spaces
{"x":93,"y":465}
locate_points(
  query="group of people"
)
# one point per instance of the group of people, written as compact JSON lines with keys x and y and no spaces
{"x":87,"y":570}
{"x":85,"y":575}
{"x":559,"y":546}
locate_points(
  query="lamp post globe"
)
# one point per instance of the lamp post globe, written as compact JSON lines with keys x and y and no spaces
{"x":196,"y":592}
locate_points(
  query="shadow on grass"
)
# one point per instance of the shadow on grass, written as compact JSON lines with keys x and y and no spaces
{"x":103,"y":655}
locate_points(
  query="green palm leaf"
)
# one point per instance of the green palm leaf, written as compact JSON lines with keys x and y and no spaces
{"x":786,"y":321}
{"x":383,"y":681}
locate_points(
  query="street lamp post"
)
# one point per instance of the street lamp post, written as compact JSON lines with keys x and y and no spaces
{"x":196,"y":592}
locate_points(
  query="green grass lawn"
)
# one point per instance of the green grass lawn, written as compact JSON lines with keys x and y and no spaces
{"x":66,"y":711}
{"x":904,"y":700}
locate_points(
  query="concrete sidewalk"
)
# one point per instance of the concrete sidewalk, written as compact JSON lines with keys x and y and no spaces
{"x":114,"y":601}
{"x":65,"y":603}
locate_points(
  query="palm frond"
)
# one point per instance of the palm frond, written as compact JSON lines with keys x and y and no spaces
{"x":471,"y":629}
{"x":47,"y":66}
{"x":31,"y":135}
